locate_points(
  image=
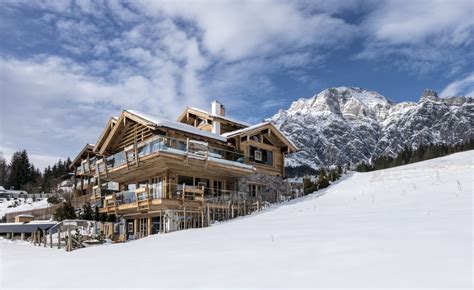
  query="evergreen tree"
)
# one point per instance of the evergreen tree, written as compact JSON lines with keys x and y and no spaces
{"x":96,"y":214}
{"x":87,"y":212}
{"x":3,"y":171}
{"x":339,"y":171}
{"x":47,"y":176}
{"x":333,"y":175}
{"x":323,"y":180}
{"x":423,"y":152}
{"x":65,"y":211}
{"x":53,"y":200}
{"x":307,"y":185}
{"x":20,"y":169}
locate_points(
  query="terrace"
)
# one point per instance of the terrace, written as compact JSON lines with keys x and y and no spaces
{"x":186,"y":149}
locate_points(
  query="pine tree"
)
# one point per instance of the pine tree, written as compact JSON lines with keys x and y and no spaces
{"x":96,"y":214}
{"x":307,"y":185}
{"x":3,"y":171}
{"x":423,"y":152}
{"x":323,"y":180}
{"x":339,"y":171}
{"x":20,"y":169}
{"x":87,"y":212}
{"x":65,"y":211}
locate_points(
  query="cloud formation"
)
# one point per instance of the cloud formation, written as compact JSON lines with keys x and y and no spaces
{"x":70,"y":65}
{"x":464,"y":87}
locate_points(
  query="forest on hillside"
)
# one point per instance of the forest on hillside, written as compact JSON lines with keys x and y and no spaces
{"x":21,"y":174}
{"x":408,"y":155}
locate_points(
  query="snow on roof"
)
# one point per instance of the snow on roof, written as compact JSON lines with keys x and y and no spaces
{"x":222,"y":117}
{"x":237,"y":132}
{"x":176,"y":125}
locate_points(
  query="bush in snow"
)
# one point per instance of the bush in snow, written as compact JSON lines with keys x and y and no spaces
{"x":53,"y":200}
{"x":308,"y":185}
{"x":65,"y":211}
{"x":87,"y":212}
{"x":323,"y":180}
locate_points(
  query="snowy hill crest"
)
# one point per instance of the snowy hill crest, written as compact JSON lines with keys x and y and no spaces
{"x":350,"y":124}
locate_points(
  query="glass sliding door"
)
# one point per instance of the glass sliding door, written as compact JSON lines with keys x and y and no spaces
{"x":156,"y":187}
{"x":143,"y":227}
{"x":217,"y":187}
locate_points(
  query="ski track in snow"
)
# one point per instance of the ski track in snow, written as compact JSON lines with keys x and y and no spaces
{"x":407,"y":226}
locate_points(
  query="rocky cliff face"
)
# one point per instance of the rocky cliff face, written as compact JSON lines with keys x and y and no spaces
{"x":350,"y":125}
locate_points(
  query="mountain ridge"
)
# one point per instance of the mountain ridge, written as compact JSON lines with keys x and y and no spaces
{"x":344,"y":125}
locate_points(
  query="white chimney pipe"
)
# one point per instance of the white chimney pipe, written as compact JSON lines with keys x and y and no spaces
{"x":216,"y":110}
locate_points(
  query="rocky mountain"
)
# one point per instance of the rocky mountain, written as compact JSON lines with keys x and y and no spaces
{"x":350,"y":125}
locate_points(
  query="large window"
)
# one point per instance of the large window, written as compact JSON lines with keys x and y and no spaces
{"x":187,"y":180}
{"x":156,"y":187}
{"x":255,"y":190}
{"x":261,"y":156}
{"x":217,"y":187}
{"x":200,"y":182}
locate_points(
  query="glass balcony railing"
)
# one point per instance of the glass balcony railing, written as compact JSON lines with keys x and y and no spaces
{"x":125,"y":197}
{"x":193,"y":148}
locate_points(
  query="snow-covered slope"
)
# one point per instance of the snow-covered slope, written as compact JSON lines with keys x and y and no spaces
{"x":6,"y":206}
{"x":408,"y":226}
{"x":348,"y":124}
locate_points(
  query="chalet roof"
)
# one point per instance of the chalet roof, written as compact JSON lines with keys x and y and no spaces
{"x":244,"y":130}
{"x":257,"y":126}
{"x":87,"y":147}
{"x":232,"y":120}
{"x":110,"y":123}
{"x":161,"y":122}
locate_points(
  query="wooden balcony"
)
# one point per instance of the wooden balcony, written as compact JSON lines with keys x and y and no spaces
{"x":164,"y":153}
{"x":141,"y":201}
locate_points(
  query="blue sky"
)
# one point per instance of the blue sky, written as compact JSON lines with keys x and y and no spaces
{"x":66,"y":66}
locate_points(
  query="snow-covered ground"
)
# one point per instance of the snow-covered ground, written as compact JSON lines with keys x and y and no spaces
{"x":408,"y":226}
{"x":23,"y":204}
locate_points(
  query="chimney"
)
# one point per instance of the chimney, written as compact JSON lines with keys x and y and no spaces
{"x":217,"y":109}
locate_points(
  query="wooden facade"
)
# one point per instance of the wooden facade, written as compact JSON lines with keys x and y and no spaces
{"x":160,"y":175}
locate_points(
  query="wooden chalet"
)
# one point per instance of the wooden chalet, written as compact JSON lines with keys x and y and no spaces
{"x":160,"y":175}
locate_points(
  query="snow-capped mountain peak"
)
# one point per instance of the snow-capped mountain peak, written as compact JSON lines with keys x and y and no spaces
{"x":351,"y":124}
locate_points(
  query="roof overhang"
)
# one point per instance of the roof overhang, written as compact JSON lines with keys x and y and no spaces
{"x":108,"y":127}
{"x":154,"y":122}
{"x":205,"y":114}
{"x":259,"y":127}
{"x":87,"y":149}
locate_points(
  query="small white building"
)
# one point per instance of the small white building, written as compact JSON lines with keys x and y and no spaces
{"x":12,"y":193}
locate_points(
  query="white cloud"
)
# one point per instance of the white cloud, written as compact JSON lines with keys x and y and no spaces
{"x":52,"y":103}
{"x":420,"y":36}
{"x":239,"y":29}
{"x":464,"y":87}
{"x":159,"y":56}
{"x":415,"y":22}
